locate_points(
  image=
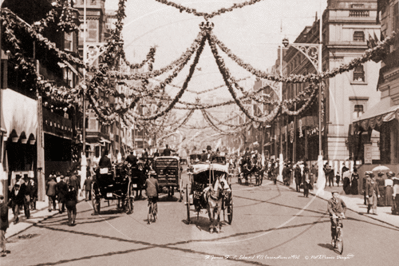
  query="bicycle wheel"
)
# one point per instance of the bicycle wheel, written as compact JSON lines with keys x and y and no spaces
{"x":340,"y":242}
{"x":149,"y":214}
{"x":154,"y":213}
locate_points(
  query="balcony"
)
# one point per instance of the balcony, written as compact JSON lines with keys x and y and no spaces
{"x":359,"y":13}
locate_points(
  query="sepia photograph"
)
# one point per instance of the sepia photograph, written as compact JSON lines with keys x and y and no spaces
{"x":199,"y":132}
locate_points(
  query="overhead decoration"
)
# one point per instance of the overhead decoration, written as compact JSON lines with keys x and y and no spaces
{"x":185,"y":84}
{"x":378,"y":51}
{"x":207,"y":15}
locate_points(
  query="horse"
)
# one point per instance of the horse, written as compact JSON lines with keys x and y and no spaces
{"x":214,"y":197}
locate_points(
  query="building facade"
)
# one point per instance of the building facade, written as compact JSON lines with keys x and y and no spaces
{"x":347,"y":26}
{"x":383,"y":117}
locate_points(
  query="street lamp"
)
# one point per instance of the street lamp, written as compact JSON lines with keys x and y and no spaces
{"x":314,"y":53}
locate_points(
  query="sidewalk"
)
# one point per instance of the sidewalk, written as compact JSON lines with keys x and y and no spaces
{"x":41,"y":213}
{"x":356,"y":204}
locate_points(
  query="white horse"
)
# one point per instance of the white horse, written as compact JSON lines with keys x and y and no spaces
{"x":214,"y":197}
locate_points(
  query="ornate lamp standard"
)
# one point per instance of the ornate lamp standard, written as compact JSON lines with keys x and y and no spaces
{"x":314,"y":53}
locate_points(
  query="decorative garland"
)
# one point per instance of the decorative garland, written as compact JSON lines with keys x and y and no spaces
{"x":226,"y":76}
{"x":187,"y":54}
{"x":207,"y":15}
{"x":374,"y":53}
{"x":11,"y":20}
{"x":184,"y":87}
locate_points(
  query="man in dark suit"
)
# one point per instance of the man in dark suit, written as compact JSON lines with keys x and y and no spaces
{"x":167,"y":151}
{"x":132,"y":159}
{"x":17,"y":198}
{"x":51,"y":193}
{"x":3,"y":225}
{"x":298,"y":177}
{"x":62,"y":189}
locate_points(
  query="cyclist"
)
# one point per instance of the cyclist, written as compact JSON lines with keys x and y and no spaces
{"x":336,"y":208}
{"x":151,"y":189}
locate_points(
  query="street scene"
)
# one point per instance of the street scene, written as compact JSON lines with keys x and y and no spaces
{"x":157,"y":132}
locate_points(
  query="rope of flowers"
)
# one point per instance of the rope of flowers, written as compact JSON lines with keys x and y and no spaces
{"x":40,"y":25}
{"x":212,"y":89}
{"x":303,"y":108}
{"x":377,"y":51}
{"x":188,"y":116}
{"x":214,"y":127}
{"x":188,"y":53}
{"x":66,"y":24}
{"x":226,"y":76}
{"x":228,"y":124}
{"x":10,"y":19}
{"x":184,"y":87}
{"x":207,"y":15}
{"x":100,"y":111}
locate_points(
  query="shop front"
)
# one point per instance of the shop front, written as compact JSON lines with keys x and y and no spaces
{"x":19,"y":147}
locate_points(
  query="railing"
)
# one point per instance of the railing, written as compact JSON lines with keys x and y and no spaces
{"x":359,"y":13}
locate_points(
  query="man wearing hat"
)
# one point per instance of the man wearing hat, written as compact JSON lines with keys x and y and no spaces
{"x":336,"y":207}
{"x":62,"y":190}
{"x":3,"y":225}
{"x":151,"y":190}
{"x":51,"y":192}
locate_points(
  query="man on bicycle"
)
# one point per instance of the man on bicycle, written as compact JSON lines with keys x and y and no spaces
{"x":336,"y":208}
{"x":151,"y":189}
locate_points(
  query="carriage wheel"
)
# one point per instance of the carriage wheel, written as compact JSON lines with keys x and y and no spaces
{"x":95,"y":200}
{"x":230,"y":212}
{"x":188,"y":205}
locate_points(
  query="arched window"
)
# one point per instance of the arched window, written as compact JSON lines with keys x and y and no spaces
{"x":358,"y":74}
{"x":358,"y":36}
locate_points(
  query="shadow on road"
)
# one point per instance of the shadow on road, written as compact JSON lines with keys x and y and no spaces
{"x":326,"y":246}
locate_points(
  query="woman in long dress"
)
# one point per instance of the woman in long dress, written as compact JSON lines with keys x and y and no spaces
{"x":388,"y":190}
{"x":355,"y":179}
{"x":381,"y":189}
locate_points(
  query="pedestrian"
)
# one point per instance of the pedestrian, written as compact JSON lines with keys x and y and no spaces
{"x":329,"y":172}
{"x":337,"y":178}
{"x":26,"y":188}
{"x":151,"y":190}
{"x":17,"y":198}
{"x":372,"y":194}
{"x":33,"y":194}
{"x":186,"y":181}
{"x":3,"y":226}
{"x":365,"y":181}
{"x":381,"y":189}
{"x":74,"y":181}
{"x":51,"y":193}
{"x":315,"y":173}
{"x":275,"y":172}
{"x":395,"y":194}
{"x":87,"y":188}
{"x":70,"y":202}
{"x":389,"y":189}
{"x":355,"y":182}
{"x":306,"y":185}
{"x":298,"y":177}
{"x":62,"y":190}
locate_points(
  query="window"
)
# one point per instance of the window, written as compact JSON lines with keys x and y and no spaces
{"x":358,"y":74}
{"x":358,"y":36}
{"x":92,"y":31}
{"x":358,"y":111}
{"x":68,"y":37}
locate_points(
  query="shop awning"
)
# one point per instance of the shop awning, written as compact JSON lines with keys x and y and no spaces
{"x":19,"y":113}
{"x":383,"y":111}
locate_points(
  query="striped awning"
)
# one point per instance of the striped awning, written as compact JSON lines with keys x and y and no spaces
{"x":383,"y":111}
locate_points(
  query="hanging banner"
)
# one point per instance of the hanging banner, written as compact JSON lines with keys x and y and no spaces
{"x":300,"y":128}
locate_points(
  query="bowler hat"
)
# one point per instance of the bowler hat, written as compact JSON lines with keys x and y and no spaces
{"x":208,"y":148}
{"x":380,"y":174}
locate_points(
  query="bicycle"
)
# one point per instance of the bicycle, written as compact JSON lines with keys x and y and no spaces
{"x":152,"y":211}
{"x":338,"y":242}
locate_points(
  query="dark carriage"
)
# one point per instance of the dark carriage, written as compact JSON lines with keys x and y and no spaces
{"x":113,"y":184}
{"x":203,"y":175}
{"x":169,"y":173}
{"x":195,"y":158}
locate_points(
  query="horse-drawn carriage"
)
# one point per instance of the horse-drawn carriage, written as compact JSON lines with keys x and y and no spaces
{"x":195,"y":158}
{"x":169,"y":173}
{"x":211,"y":191}
{"x":113,"y":184}
{"x":251,"y":168}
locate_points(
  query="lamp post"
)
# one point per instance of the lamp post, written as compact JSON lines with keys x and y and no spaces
{"x":281,"y":157}
{"x":314,"y":52}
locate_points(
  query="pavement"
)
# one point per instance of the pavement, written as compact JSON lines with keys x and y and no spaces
{"x":40,"y":214}
{"x":356,"y":203}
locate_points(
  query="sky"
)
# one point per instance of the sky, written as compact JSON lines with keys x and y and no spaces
{"x":253,"y":33}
